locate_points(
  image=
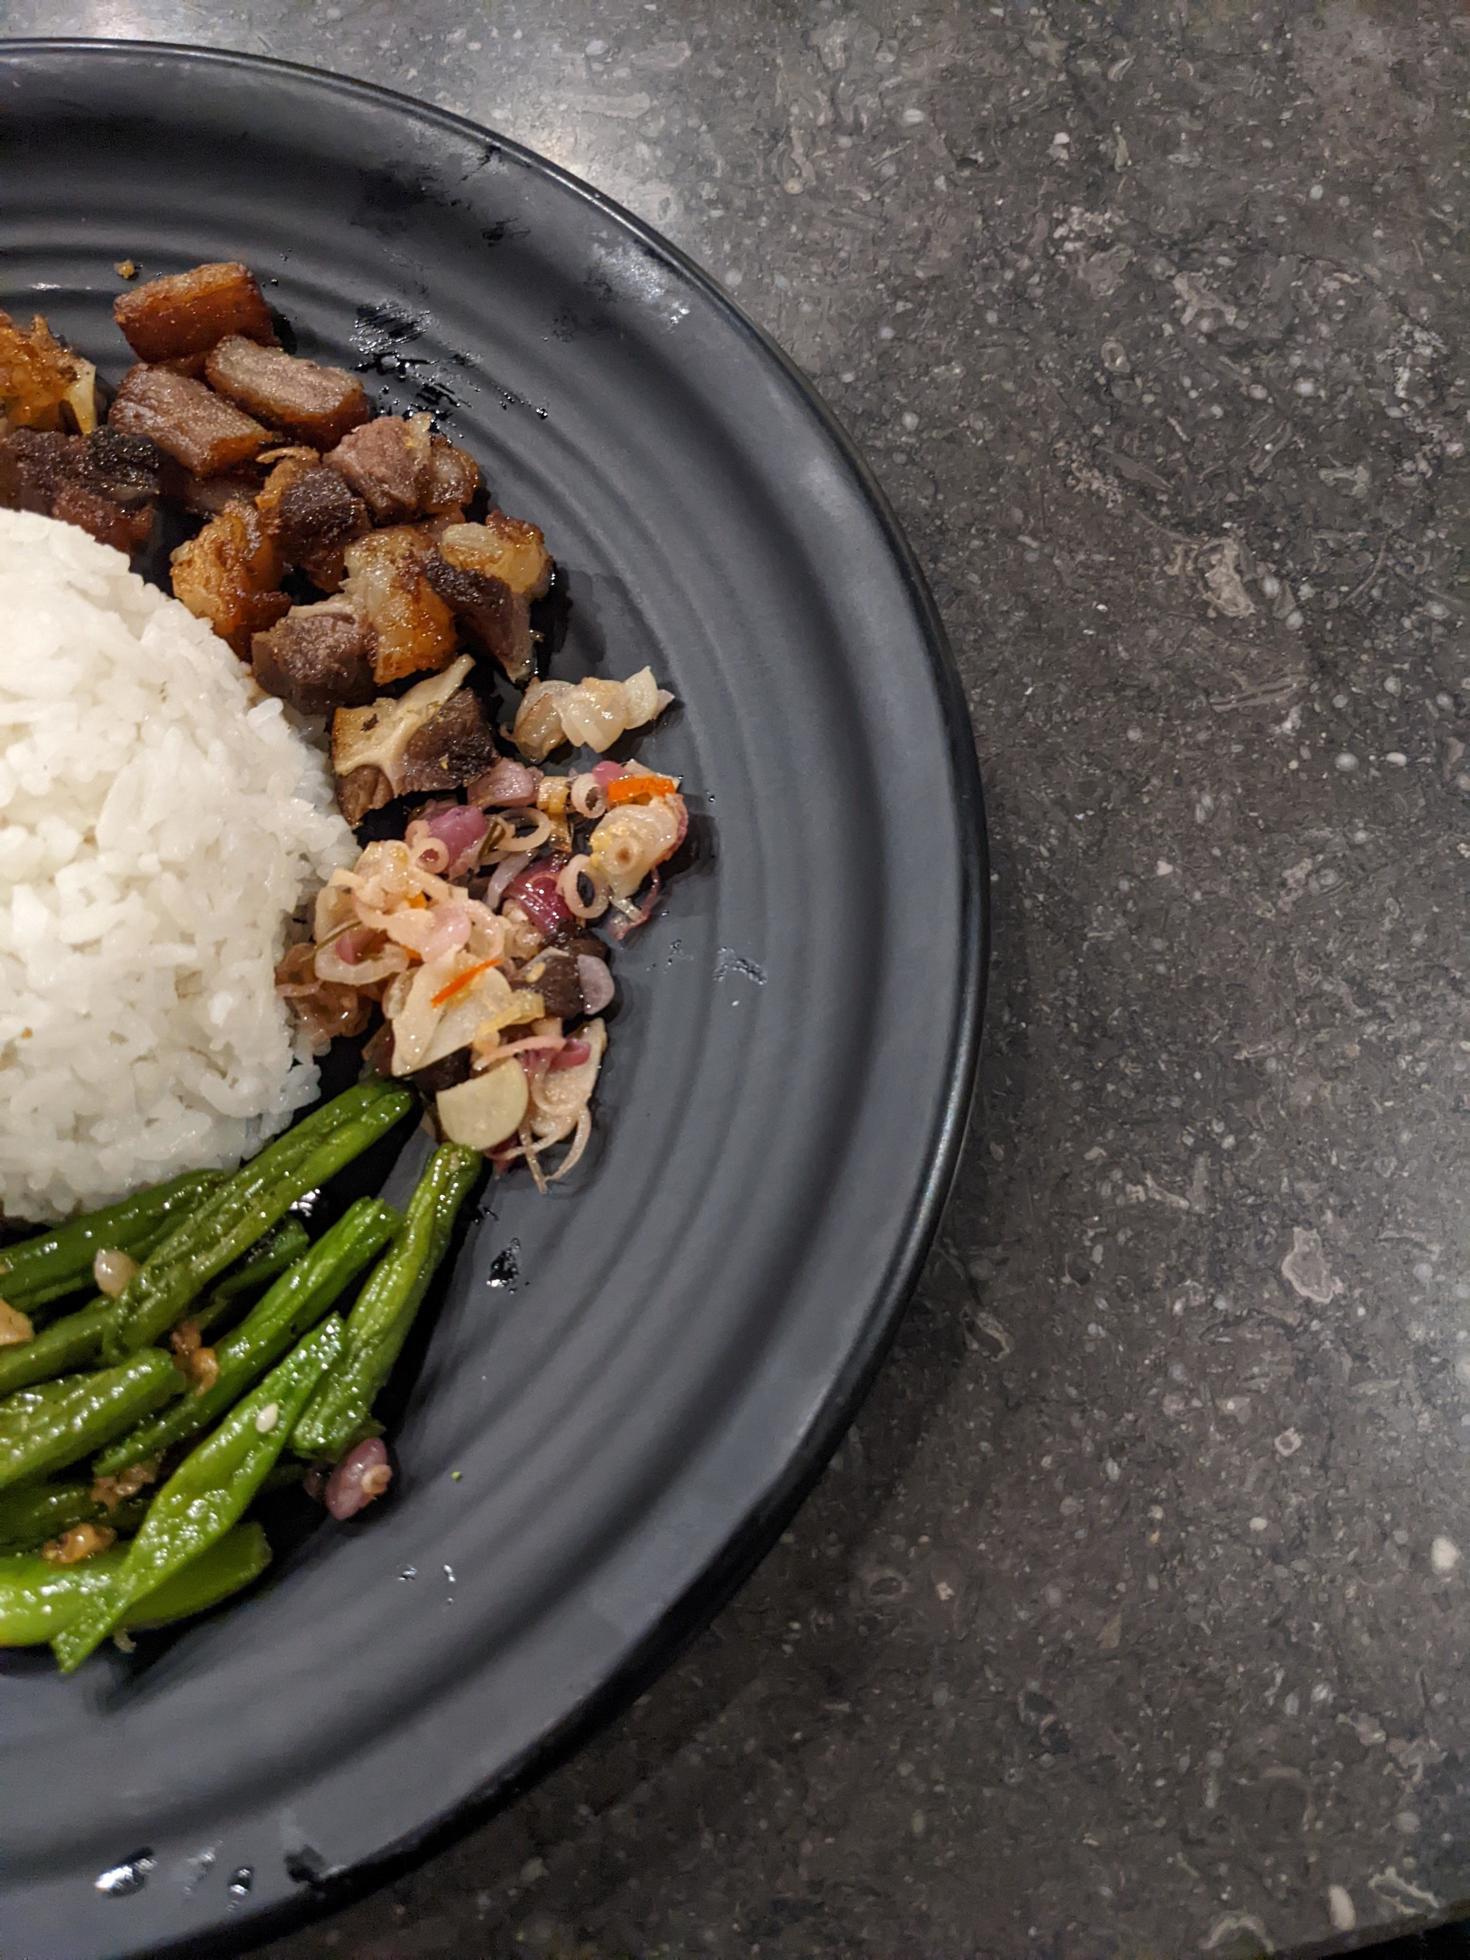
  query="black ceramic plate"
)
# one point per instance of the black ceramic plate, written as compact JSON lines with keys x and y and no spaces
{"x":593,"y":1453}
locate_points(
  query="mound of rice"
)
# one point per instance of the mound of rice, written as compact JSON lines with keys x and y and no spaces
{"x":159,"y":822}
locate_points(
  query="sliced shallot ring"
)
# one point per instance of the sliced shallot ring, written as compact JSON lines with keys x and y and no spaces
{"x":569,"y":884}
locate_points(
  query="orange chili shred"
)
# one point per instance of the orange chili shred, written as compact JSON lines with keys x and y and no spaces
{"x":460,"y":981}
{"x":639,"y":789}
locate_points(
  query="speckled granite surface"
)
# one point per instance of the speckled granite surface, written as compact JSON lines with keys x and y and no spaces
{"x":1132,"y":1618}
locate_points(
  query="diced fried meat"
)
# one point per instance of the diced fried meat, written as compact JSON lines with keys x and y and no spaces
{"x":316,"y":518}
{"x":187,"y":420}
{"x":316,"y":404}
{"x":207,"y":496}
{"x":434,"y":737}
{"x":494,"y":617}
{"x":451,"y":749}
{"x":189,"y":312}
{"x":39,"y":377}
{"x":388,"y":462}
{"x":317,"y":658}
{"x":103,"y":482}
{"x":389,"y":590}
{"x":127,"y":469}
{"x":107,"y":522}
{"x":504,"y":548}
{"x":228,"y":574}
{"x":32,"y":468}
{"x":454,"y":477}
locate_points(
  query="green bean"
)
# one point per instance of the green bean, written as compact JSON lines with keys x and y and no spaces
{"x":77,"y":1337}
{"x":43,"y":1429}
{"x":32,"y":1513}
{"x":207,"y":1494}
{"x":66,"y":1343}
{"x":292,"y":1307}
{"x":275,"y":1253}
{"x":37,"y":1598}
{"x":38,"y":1270}
{"x":246,"y":1207}
{"x":378,"y":1325}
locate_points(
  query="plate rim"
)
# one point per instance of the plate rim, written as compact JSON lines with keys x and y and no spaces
{"x":747,"y":1543}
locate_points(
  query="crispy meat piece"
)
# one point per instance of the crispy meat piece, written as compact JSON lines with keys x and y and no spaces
{"x":128,"y":469}
{"x":189,"y":312}
{"x":317,"y":658}
{"x":228,"y":574}
{"x":32,"y":467}
{"x":504,"y":548}
{"x":388,"y":588}
{"x":315,"y":404}
{"x":104,"y":482}
{"x":107,"y":522}
{"x":187,"y":420}
{"x":286,"y":465}
{"x":434,"y":737}
{"x":207,"y":496}
{"x":450,"y":750}
{"x":454,"y":477}
{"x":389,"y":463}
{"x":316,"y":517}
{"x":494,"y":617}
{"x":39,"y":379}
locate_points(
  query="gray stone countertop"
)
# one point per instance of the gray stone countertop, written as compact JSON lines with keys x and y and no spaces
{"x":1132,"y":1617}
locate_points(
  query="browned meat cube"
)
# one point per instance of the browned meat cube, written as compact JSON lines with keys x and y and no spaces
{"x":109,"y":523}
{"x":104,"y":482}
{"x":504,"y":548}
{"x":315,"y":404}
{"x":317,"y":658}
{"x":454,"y":477}
{"x":434,"y":737}
{"x":187,"y":420}
{"x":388,"y":588}
{"x":389,"y":463}
{"x":188,"y":312}
{"x":127,"y":469}
{"x":496,"y":619}
{"x":207,"y":496}
{"x":315,"y":517}
{"x":451,"y":749}
{"x":228,"y":574}
{"x":38,"y":378}
{"x":32,"y":468}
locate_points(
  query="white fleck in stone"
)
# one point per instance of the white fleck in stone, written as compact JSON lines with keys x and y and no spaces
{"x":1316,"y":194}
{"x":1305,"y":1269}
{"x":1304,"y":385}
{"x":1346,"y":762}
{"x":1396,"y":759}
{"x":267,"y":1418}
{"x":1444,"y":1556}
{"x":1340,"y":1908}
{"x":595,"y":48}
{"x":1288,"y":1442}
{"x":913,"y":116}
{"x":1164,"y":869}
{"x":909,"y":420}
{"x":1258,"y":1525}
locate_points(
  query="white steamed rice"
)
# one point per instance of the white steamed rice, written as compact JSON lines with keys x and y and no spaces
{"x":159,"y":822}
